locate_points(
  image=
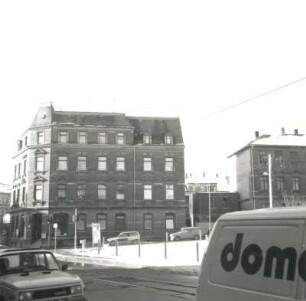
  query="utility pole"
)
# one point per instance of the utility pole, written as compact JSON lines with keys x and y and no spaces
{"x":270,"y":180}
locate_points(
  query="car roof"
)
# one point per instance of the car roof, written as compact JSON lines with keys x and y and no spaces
{"x":22,"y":250}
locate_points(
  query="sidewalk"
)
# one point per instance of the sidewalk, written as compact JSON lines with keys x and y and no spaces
{"x":184,"y":253}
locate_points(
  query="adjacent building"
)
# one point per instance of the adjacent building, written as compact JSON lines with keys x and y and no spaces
{"x":288,"y":170}
{"x":73,"y":169}
{"x":207,"y":203}
{"x":5,"y":198}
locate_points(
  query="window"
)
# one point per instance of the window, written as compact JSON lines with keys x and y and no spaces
{"x":120,"y":221}
{"x":264,"y":185}
{"x":38,"y":192}
{"x":148,"y":221}
{"x":81,"y":192}
{"x":19,"y":145}
{"x":62,"y":163}
{"x":295,"y":184}
{"x":147,"y":164}
{"x":101,"y":192}
{"x":81,"y":164}
{"x":40,"y":138}
{"x":25,"y":167}
{"x":102,"y":138}
{"x":26,"y":141}
{"x":120,"y":192}
{"x":278,"y":158}
{"x":63,"y":137}
{"x":39,"y":164}
{"x":120,"y":163}
{"x":169,"y":164}
{"x":169,"y":192}
{"x":169,"y":221}
{"x":293,"y":157}
{"x":19,"y":170}
{"x":168,"y":139}
{"x":102,"y":163}
{"x":147,"y":139}
{"x":15,"y":172}
{"x":279,"y":183}
{"x":81,"y":223}
{"x":120,"y":138}
{"x":61,"y":192}
{"x":263,"y":158}
{"x":23,"y":194}
{"x":147,"y":192}
{"x":82,"y":137}
{"x":102,"y":220}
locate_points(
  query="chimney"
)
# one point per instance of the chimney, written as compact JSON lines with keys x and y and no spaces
{"x":283,"y":131}
{"x":296,"y":132}
{"x":257,"y":134}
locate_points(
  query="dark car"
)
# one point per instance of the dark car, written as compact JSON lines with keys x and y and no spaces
{"x":35,"y":274}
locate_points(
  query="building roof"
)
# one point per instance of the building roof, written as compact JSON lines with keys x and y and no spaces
{"x":157,"y":127}
{"x":280,"y":140}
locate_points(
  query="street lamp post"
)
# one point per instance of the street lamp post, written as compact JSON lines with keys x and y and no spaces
{"x":209,"y":209}
{"x":269,"y":174}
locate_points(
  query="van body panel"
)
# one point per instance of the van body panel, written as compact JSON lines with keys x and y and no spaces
{"x":255,"y":259}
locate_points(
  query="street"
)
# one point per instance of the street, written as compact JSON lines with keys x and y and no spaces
{"x":160,"y":284}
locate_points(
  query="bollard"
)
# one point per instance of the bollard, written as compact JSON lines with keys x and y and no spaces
{"x":116,"y":247}
{"x":197,"y":249}
{"x":139,"y":253}
{"x":99,"y":246}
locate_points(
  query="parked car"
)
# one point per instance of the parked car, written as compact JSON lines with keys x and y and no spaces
{"x":125,"y":238}
{"x":35,"y":274}
{"x":186,"y":233}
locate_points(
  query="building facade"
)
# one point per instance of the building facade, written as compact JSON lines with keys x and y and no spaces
{"x":5,"y":199}
{"x":288,"y":170}
{"x":73,"y":169}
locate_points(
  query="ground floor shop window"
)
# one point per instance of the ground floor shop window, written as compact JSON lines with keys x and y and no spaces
{"x":120,"y":221}
{"x":61,"y":219}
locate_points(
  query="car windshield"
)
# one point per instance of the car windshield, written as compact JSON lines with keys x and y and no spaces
{"x":27,"y":262}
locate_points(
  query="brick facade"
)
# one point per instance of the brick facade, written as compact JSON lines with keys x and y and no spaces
{"x":60,"y":177}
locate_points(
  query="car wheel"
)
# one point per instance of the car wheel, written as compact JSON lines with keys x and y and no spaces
{"x":196,"y":237}
{"x":112,"y":243}
{"x":177,"y":238}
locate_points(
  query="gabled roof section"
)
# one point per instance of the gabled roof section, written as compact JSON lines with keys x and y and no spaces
{"x":157,"y":127}
{"x":280,"y":140}
{"x":91,"y":119}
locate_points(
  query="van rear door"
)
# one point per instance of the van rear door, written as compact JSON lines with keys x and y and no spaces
{"x":255,"y":260}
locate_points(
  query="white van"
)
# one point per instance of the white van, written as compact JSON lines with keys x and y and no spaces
{"x":257,"y":255}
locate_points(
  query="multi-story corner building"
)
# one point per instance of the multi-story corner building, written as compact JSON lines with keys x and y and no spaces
{"x":288,"y":171}
{"x":125,"y":173}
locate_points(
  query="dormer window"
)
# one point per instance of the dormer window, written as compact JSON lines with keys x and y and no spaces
{"x":168,"y":139}
{"x":147,"y":139}
{"x":120,"y":139}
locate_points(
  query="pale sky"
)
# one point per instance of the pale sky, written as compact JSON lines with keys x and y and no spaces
{"x":162,"y":58}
